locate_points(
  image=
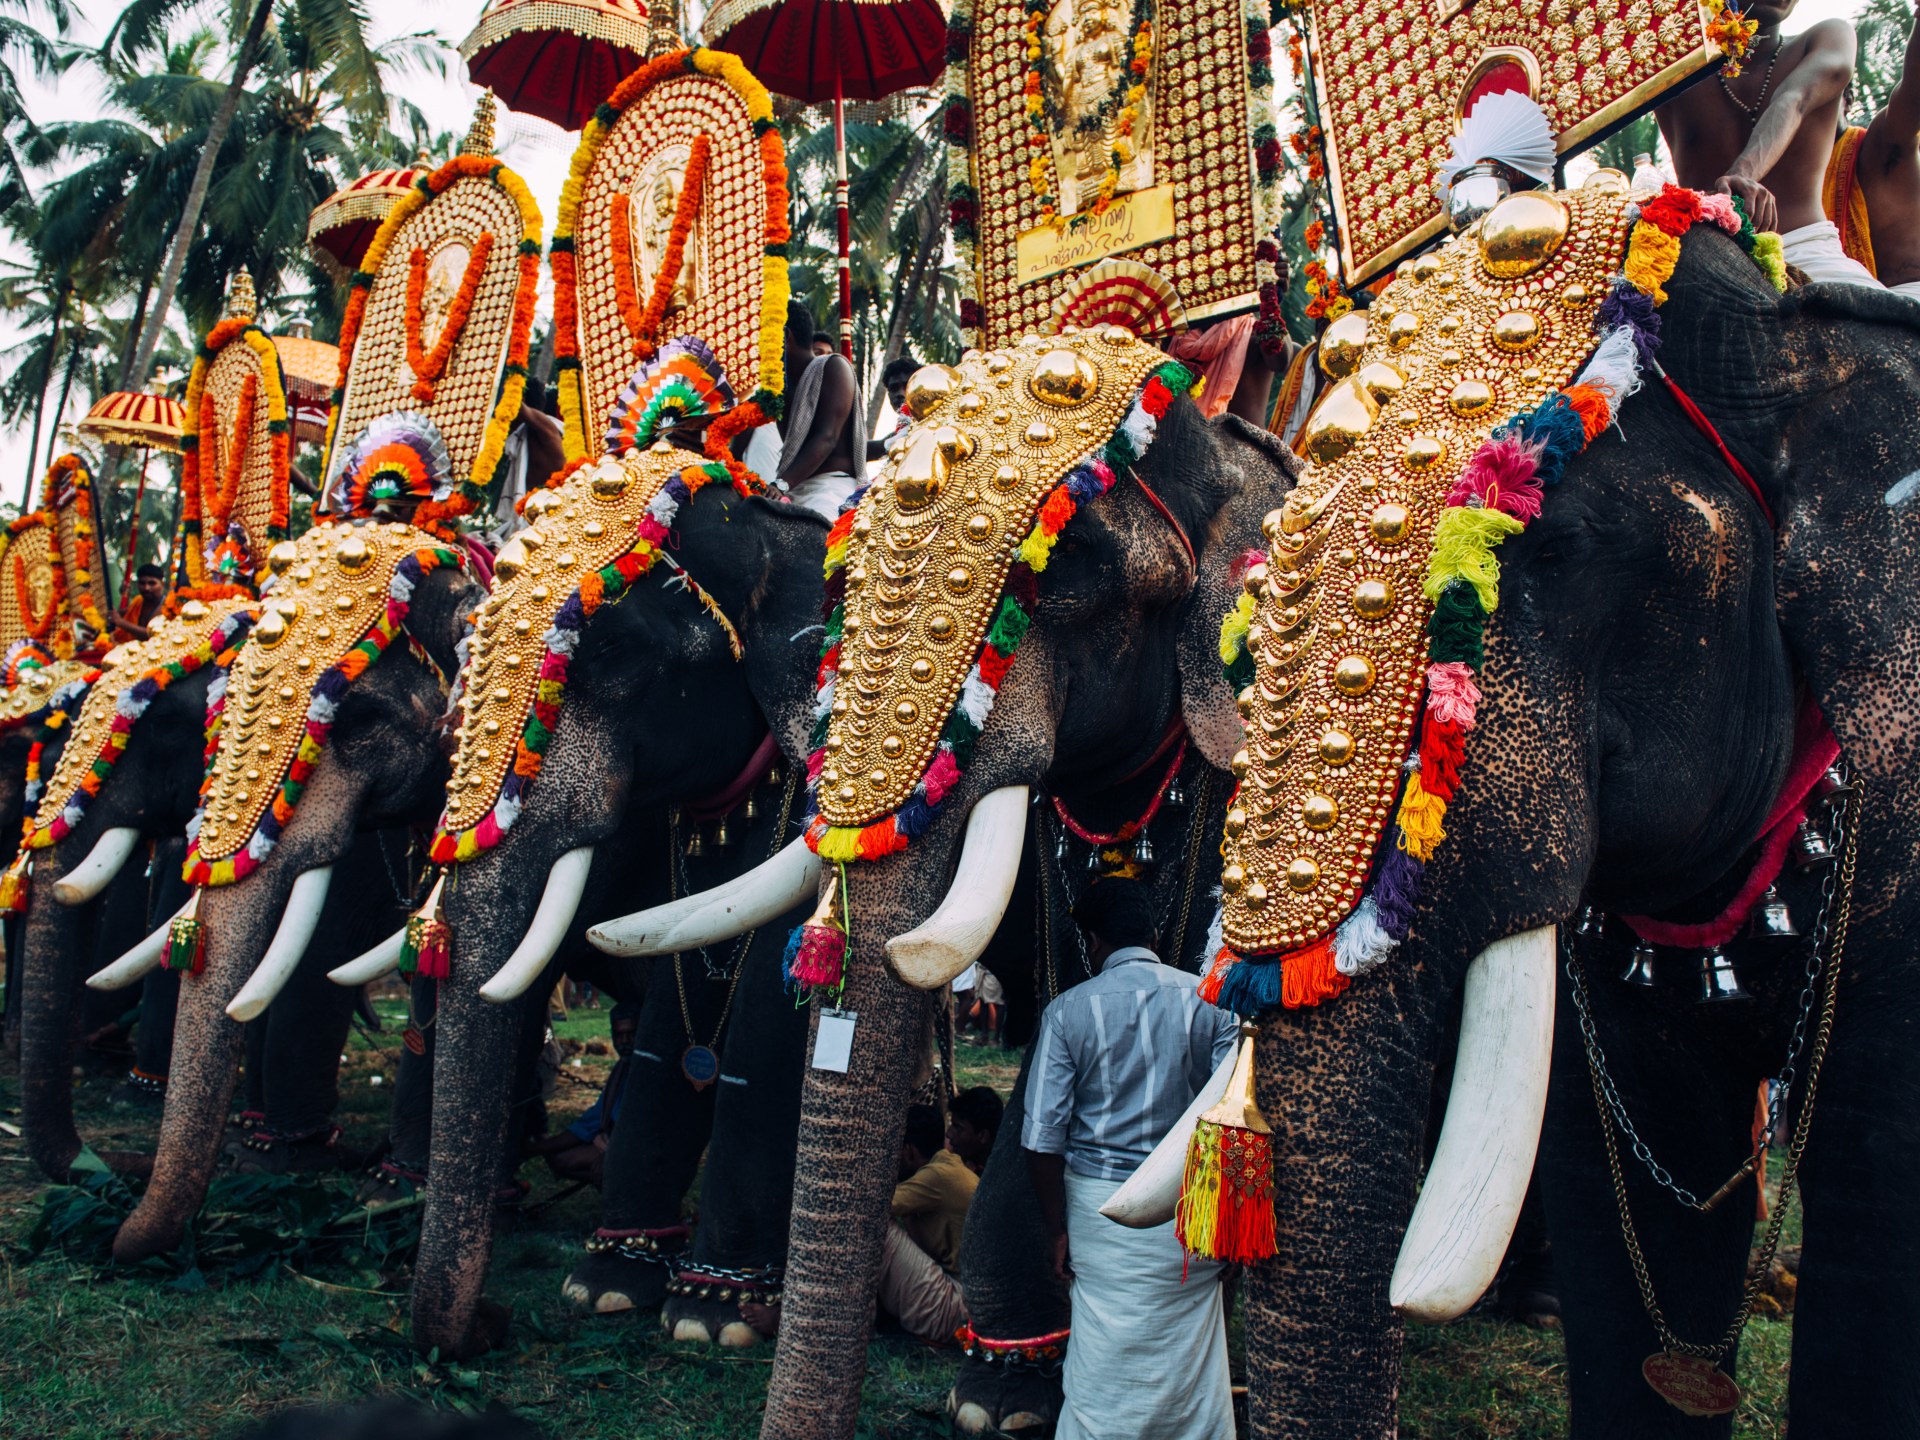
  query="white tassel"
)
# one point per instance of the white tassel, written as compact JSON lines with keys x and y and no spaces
{"x":976,"y":699}
{"x":1614,"y":368}
{"x":1360,"y":943}
{"x":1216,"y":928}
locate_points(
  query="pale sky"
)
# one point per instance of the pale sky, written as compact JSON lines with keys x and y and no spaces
{"x":539,"y":151}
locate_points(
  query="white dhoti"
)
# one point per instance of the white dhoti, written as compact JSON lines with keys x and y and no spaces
{"x":1815,"y":251}
{"x":824,"y":494}
{"x":1908,"y":288}
{"x":1148,"y":1357}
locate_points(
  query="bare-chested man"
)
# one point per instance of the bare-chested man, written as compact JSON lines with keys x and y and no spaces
{"x":1766,"y":136}
{"x":1888,"y":171}
{"x":823,"y":455}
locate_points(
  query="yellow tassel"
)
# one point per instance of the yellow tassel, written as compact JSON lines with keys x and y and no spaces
{"x":1233,"y":629}
{"x":1197,"y":1217}
{"x":1421,"y":812}
{"x":1226,"y":1195}
{"x":1651,"y":256}
{"x":1464,"y":539}
{"x":1771,"y":258}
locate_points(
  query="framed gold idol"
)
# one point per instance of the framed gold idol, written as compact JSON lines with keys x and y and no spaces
{"x":1394,"y":82}
{"x":1132,"y":140}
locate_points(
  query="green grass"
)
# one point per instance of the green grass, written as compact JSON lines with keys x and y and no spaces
{"x":260,"y":1322}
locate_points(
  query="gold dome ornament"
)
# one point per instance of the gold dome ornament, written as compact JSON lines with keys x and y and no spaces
{"x":1522,"y":233}
{"x":928,"y":389}
{"x":1343,"y":416}
{"x":1343,"y":344}
{"x":921,"y":471}
{"x":1063,"y":379}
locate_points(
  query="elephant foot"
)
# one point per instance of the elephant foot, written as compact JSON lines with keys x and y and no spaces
{"x":996,"y":1398}
{"x":390,"y":1183}
{"x":735,"y":1309}
{"x":318,"y":1152}
{"x":140,"y":1091}
{"x":613,"y":1277}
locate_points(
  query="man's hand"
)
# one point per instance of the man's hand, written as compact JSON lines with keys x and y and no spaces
{"x":1762,"y":209}
{"x":1062,"y":1260}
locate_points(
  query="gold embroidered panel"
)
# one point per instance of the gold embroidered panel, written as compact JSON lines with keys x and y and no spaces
{"x":1415,"y":385}
{"x":122,"y":668}
{"x":379,"y":379}
{"x":226,"y":383}
{"x":36,"y":688}
{"x":329,"y":589}
{"x":27,"y":586}
{"x":1184,"y":199}
{"x":936,"y":534}
{"x":633,"y":186}
{"x":1392,"y":84}
{"x":577,"y":528}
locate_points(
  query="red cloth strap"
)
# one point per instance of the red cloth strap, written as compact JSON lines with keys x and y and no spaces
{"x":723,"y":801}
{"x":1705,"y":426}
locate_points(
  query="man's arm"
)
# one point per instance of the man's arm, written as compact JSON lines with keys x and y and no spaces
{"x":830,"y":416}
{"x":1819,"y":79}
{"x":1902,"y":114}
{"x":1049,"y":1176}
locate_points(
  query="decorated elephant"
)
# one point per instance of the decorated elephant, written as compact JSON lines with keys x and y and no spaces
{"x":1106,"y":560}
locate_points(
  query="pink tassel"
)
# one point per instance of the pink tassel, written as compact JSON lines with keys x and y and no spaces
{"x":1452,"y":695}
{"x":821,"y":959}
{"x":1719,"y":209}
{"x":1502,"y":475}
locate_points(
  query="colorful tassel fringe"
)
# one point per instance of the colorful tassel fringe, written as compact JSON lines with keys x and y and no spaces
{"x":816,"y":953}
{"x":13,"y":886}
{"x":187,"y":944}
{"x":1226,"y":1195}
{"x":427,"y":950}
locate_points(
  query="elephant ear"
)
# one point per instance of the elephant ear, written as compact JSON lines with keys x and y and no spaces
{"x":1848,"y":592}
{"x":1257,"y":471}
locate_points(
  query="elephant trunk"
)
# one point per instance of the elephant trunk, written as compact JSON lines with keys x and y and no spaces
{"x":849,"y":1148}
{"x":239,"y":921}
{"x":50,"y":982}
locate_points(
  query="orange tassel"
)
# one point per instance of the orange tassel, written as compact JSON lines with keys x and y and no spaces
{"x":1310,"y":976}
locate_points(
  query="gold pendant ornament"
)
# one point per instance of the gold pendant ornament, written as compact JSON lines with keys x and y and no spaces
{"x":1691,"y":1385}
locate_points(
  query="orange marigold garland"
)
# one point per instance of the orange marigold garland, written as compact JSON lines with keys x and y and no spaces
{"x":201,"y":503}
{"x":429,"y":365}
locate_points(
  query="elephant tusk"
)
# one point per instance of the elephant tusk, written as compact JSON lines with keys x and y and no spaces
{"x":375,"y":964}
{"x":141,"y":958}
{"x":566,"y":882}
{"x":1467,"y":1208}
{"x":96,"y":872}
{"x":1152,"y":1193}
{"x":289,"y":944}
{"x":954,"y":936}
{"x":743,"y":903}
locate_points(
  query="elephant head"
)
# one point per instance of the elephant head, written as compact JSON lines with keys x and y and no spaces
{"x":675,"y":622}
{"x":1122,"y":642}
{"x":1635,"y":723}
{"x":330,"y":730}
{"x":127,"y":769}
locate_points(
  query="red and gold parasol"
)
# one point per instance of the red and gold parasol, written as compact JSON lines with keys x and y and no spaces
{"x":132,"y":417}
{"x":342,"y":225}
{"x":835,"y":50}
{"x":557,"y":59}
{"x":310,"y":367}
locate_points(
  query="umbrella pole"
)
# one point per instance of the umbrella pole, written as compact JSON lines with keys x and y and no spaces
{"x":133,"y":526}
{"x":843,"y":219}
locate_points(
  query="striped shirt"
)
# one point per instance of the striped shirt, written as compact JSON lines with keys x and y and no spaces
{"x":1118,"y":1059}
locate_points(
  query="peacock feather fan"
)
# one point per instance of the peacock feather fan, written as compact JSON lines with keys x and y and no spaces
{"x":400,"y":456}
{"x":683,"y":381}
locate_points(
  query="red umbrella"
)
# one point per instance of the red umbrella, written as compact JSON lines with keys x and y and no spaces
{"x":557,"y":59}
{"x":342,"y":225}
{"x":838,"y":50}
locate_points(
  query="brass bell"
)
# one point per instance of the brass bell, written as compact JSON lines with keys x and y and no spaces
{"x":1143,"y":850}
{"x":753,"y":808}
{"x":1810,"y":848}
{"x":1639,"y":969}
{"x":1176,"y":796}
{"x":723,"y":833}
{"x":1060,"y":849}
{"x":1093,"y":861}
{"x":773,"y":776}
{"x":1592,"y":924}
{"x":1833,"y":786}
{"x":1718,"y":979}
{"x":695,"y":849}
{"x":1771,"y":919}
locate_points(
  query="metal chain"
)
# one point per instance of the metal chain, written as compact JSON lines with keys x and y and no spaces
{"x":1762,"y":1267}
{"x":738,"y":966}
{"x":1196,"y":834}
{"x":407,"y":894}
{"x":1783,"y":1082}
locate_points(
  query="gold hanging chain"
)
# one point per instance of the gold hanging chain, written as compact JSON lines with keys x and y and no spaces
{"x":746,"y":941}
{"x":1757,"y":1273}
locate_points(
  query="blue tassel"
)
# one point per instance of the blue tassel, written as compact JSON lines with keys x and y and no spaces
{"x":1251,"y":987}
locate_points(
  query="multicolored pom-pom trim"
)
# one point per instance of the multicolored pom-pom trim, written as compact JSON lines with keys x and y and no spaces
{"x":603,"y":587}
{"x":1090,"y":478}
{"x":1498,"y":493}
{"x":323,"y":703}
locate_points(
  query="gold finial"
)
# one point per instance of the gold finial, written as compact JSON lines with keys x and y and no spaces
{"x":240,"y":301}
{"x":423,"y":160}
{"x":480,"y":136}
{"x":664,"y":35}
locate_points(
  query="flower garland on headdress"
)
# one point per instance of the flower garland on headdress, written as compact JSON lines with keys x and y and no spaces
{"x":67,"y":482}
{"x":323,"y":704}
{"x":604,"y":586}
{"x":644,"y":325}
{"x":437,"y":516}
{"x":207,"y":508}
{"x":1090,"y":478}
{"x":1499,"y":491}
{"x":765,"y":402}
{"x":429,"y":365}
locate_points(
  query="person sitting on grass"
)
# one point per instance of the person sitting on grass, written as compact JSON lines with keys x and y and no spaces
{"x":973,"y":1119}
{"x":578,"y":1153}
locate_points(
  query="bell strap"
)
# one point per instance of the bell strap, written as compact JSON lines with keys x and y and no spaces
{"x":724,"y":800}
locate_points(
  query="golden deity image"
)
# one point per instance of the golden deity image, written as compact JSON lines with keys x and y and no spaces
{"x":1108,"y":162}
{"x":433,"y":347}
{"x":1394,"y":87}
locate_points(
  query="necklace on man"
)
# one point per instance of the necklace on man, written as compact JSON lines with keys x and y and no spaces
{"x":1766,"y":83}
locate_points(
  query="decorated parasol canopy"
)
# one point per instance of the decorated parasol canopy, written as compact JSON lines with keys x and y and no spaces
{"x":342,"y":225}
{"x":133,"y":417}
{"x":556,"y":58}
{"x":835,"y":50}
{"x":310,"y":367}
